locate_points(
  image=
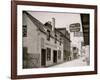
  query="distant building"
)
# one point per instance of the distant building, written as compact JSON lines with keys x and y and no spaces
{"x":66,"y":43}
{"x":75,"y":52}
{"x":42,"y":43}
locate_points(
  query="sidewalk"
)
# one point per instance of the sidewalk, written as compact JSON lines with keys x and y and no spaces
{"x":72,"y":63}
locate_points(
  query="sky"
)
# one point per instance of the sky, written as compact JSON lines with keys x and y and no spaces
{"x":61,"y":19}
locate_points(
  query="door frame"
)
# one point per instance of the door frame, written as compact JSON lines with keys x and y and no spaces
{"x":55,"y":56}
{"x":43,"y":57}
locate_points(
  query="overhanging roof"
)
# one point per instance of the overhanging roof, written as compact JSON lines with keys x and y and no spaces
{"x":86,"y":28}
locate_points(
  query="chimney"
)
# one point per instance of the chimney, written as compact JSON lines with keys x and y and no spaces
{"x":53,"y":24}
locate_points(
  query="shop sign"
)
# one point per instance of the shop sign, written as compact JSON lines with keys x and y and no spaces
{"x":75,"y":27}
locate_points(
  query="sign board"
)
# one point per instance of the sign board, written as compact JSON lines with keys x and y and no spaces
{"x":75,"y":27}
{"x":78,"y":34}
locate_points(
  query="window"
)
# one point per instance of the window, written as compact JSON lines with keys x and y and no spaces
{"x":48,"y":54}
{"x":59,"y":54}
{"x":74,"y":48}
{"x":48,"y":35}
{"x":55,"y":38}
{"x":60,"y":41}
{"x":24,"y":30}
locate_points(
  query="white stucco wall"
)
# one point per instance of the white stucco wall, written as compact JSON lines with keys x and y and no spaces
{"x":31,"y":41}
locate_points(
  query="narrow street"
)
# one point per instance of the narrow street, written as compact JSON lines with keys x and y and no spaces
{"x":72,"y":63}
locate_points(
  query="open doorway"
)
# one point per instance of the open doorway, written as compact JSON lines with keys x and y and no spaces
{"x":55,"y":56}
{"x":43,"y":57}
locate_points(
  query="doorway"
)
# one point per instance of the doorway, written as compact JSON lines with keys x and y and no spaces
{"x":43,"y":57}
{"x":55,"y":56}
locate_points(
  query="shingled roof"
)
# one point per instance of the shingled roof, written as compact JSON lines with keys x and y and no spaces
{"x":35,"y":21}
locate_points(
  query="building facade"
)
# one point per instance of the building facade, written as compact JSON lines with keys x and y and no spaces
{"x":42,"y":43}
{"x":66,"y":43}
{"x":75,"y":52}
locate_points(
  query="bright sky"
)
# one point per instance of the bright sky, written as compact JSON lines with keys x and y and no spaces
{"x":62,"y":19}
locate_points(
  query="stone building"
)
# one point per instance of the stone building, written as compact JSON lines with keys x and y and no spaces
{"x":66,"y":42}
{"x":42,"y":43}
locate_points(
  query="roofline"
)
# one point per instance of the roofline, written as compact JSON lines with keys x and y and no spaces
{"x":32,"y":18}
{"x":62,"y":34}
{"x":61,"y":28}
{"x":57,"y":29}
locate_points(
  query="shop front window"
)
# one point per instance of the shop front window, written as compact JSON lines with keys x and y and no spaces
{"x":48,"y":54}
{"x":59,"y":54}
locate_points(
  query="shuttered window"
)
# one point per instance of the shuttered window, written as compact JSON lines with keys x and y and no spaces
{"x":24,"y":30}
